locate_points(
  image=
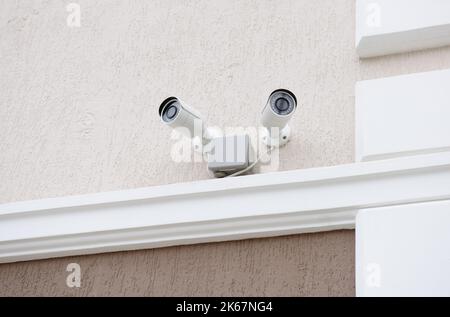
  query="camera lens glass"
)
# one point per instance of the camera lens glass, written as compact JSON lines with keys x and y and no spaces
{"x":170,"y":111}
{"x":282,"y":102}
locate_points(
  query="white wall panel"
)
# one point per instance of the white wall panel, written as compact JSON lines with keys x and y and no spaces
{"x":403,"y":115}
{"x":393,"y":26}
{"x":404,"y":250}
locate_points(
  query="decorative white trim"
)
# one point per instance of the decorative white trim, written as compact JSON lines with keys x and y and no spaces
{"x":263,"y":205}
{"x":402,"y":115}
{"x":403,"y":250}
{"x":393,"y":26}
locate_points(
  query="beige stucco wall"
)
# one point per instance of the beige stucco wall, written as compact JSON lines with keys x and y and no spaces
{"x":78,"y":106}
{"x":302,"y":265}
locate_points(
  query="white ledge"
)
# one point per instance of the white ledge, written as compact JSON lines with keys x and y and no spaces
{"x":217,"y":210}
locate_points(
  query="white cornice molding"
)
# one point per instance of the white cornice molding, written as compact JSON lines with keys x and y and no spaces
{"x":263,"y":205}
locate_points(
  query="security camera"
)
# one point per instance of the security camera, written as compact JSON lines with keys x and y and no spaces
{"x":276,"y":114}
{"x":176,"y":114}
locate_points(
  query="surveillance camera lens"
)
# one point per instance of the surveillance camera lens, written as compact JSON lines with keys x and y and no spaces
{"x":282,"y":102}
{"x":170,"y":111}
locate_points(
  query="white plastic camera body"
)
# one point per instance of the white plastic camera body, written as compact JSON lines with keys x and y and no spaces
{"x":178,"y":115}
{"x":277,"y":112}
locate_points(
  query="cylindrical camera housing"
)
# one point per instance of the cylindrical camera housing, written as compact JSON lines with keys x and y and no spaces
{"x":279,"y":109}
{"x":176,"y":114}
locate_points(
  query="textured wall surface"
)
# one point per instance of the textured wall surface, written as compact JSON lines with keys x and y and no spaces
{"x":79,"y":105}
{"x":303,"y":265}
{"x":78,"y":114}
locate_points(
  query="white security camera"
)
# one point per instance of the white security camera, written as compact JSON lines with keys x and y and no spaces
{"x":276,"y":114}
{"x":177,"y":114}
